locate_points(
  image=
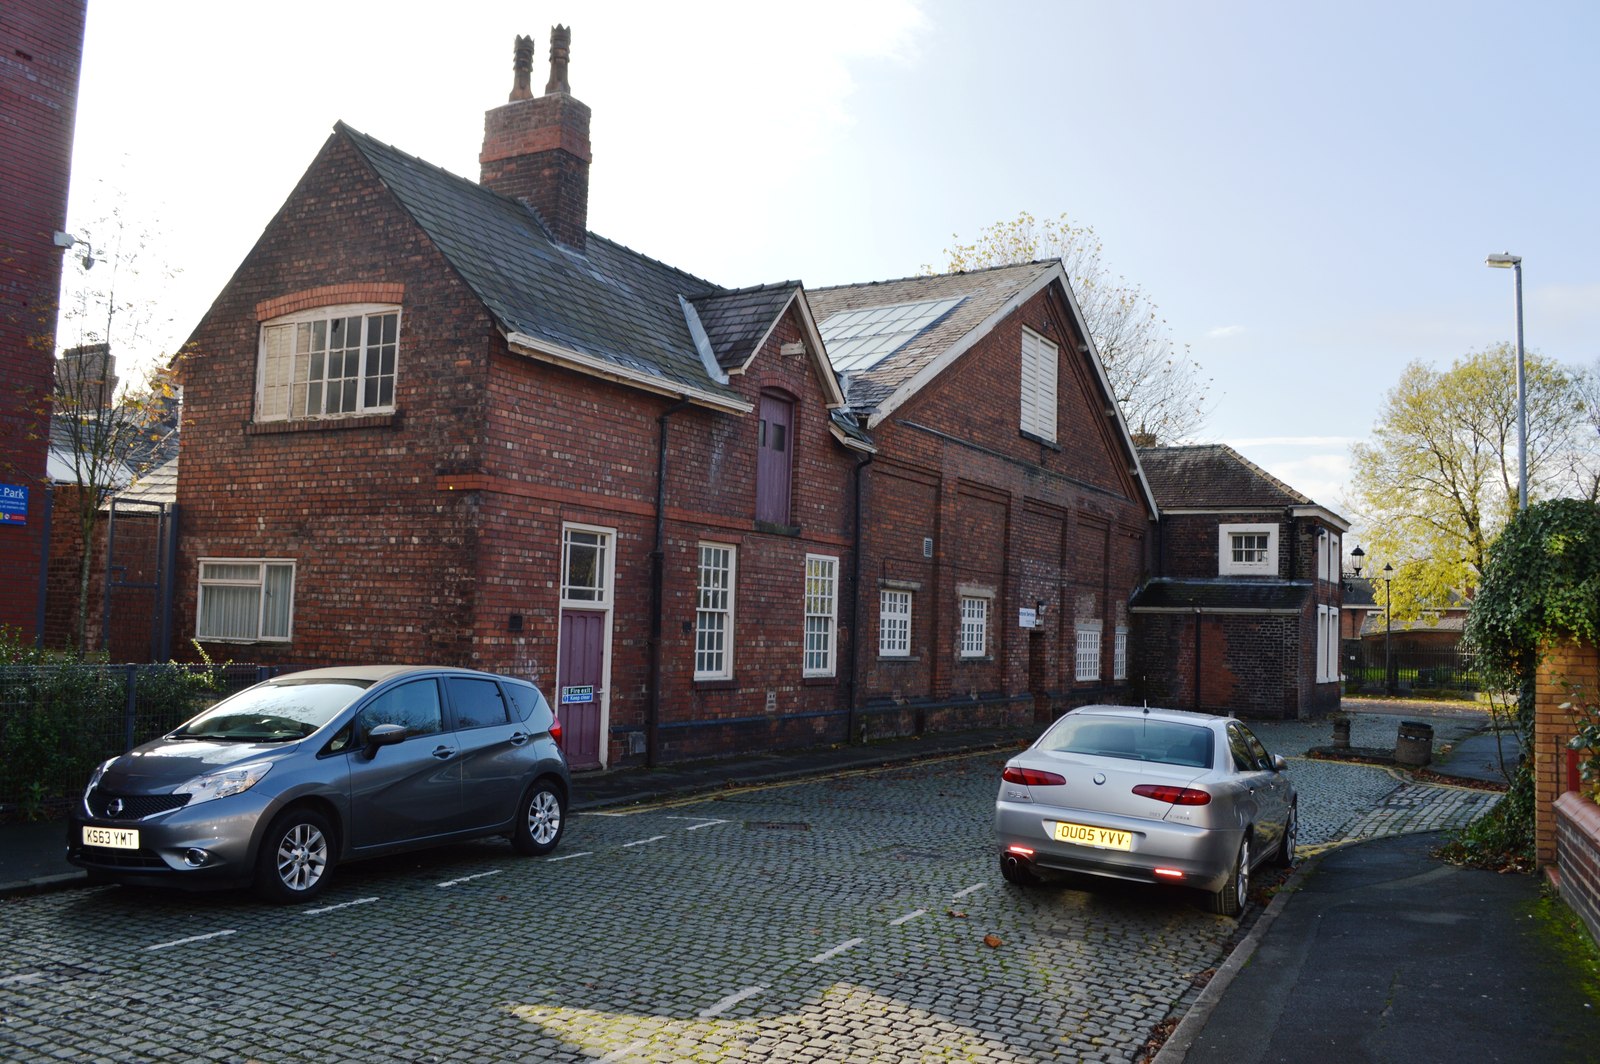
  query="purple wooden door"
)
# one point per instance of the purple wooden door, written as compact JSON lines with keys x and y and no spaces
{"x":580,"y":685}
{"x":772,"y":459}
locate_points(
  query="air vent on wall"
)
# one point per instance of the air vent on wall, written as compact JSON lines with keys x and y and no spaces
{"x":927,"y":546}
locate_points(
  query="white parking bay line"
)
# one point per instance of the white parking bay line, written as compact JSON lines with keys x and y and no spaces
{"x":186,"y":941}
{"x":569,"y":856}
{"x":467,"y":879}
{"x":970,"y":890}
{"x":730,"y":1001}
{"x":835,"y":951}
{"x":341,"y":905}
{"x":908,"y":917}
{"x":643,"y":842}
{"x":705,"y":822}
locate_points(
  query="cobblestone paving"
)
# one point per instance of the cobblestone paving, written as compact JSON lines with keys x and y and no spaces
{"x":834,"y":920}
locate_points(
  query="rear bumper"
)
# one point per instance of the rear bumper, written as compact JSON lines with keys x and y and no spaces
{"x":1203,"y":856}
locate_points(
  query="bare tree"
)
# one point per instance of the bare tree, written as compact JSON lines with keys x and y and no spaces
{"x":1161,"y":389}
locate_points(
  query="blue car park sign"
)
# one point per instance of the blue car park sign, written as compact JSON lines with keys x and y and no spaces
{"x":13,"y":504}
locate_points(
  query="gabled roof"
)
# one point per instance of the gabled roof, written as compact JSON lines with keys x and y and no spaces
{"x":985,"y":297}
{"x":737,"y":322}
{"x":606,"y":310}
{"x":1215,"y":478}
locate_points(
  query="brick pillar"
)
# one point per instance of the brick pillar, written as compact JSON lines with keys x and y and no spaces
{"x":1565,"y":666}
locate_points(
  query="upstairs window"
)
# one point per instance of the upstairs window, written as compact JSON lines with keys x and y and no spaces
{"x":328,"y":362}
{"x":1039,"y":362}
{"x":1247,"y":550}
{"x":774,"y":445}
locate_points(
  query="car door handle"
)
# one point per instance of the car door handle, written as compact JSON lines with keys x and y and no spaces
{"x":518,"y":738}
{"x":443,"y":753}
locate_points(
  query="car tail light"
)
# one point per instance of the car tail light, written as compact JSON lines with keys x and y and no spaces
{"x":1173,"y":795}
{"x":555,"y":728}
{"x":1032,"y":777}
{"x":1020,"y":851}
{"x":1169,"y":873}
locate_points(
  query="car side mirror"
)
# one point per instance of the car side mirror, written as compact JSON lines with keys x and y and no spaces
{"x":1279,"y":764}
{"x":383,"y":735}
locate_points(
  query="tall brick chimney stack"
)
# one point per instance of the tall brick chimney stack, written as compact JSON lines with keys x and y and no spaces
{"x":536,"y":148}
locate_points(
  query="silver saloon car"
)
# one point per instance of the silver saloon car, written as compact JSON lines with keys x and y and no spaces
{"x":278,"y":784}
{"x":1149,"y":795}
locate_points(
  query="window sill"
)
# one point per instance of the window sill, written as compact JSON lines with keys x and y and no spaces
{"x":1040,"y":440}
{"x":322,"y":424}
{"x":898,"y":659}
{"x":818,"y":681}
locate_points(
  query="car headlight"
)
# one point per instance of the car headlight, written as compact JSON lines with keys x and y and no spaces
{"x":94,"y":778}
{"x":222,"y":784}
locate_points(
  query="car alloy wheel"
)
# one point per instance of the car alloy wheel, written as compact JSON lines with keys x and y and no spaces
{"x":1284,"y":858}
{"x":1235,"y":893}
{"x":296,"y":857}
{"x":540,"y":821}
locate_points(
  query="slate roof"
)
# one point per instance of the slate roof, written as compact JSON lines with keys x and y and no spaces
{"x":1213,"y":476}
{"x":607,"y":302}
{"x":159,"y":485}
{"x":1221,"y":596}
{"x":736,"y":322}
{"x":986,"y":293}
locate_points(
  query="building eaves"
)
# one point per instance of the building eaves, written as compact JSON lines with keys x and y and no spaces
{"x":1168,"y":595}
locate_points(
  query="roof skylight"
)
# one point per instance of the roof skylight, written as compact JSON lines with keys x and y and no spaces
{"x":860,"y":339}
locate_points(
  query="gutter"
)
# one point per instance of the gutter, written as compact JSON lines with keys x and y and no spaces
{"x":855,"y":608}
{"x":652,"y":711}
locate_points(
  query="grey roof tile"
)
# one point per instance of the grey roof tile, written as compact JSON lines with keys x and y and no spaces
{"x":735,"y":322}
{"x":606,"y":302}
{"x":1209,"y":476}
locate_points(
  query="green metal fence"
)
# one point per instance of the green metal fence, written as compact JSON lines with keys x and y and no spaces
{"x":1434,"y":672}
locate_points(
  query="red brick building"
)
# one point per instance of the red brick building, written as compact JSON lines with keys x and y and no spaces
{"x":432,"y":419}
{"x":1245,"y":616}
{"x":41,"y":51}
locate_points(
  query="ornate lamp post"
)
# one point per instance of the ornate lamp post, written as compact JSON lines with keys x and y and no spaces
{"x":1388,"y":629}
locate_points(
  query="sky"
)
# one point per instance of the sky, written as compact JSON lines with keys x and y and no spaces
{"x":1307,"y":191}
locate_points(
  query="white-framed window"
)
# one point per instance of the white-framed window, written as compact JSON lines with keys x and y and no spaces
{"x":328,"y":362}
{"x":1247,"y":550}
{"x":822,"y":604}
{"x":1088,"y":656}
{"x":974,"y":626}
{"x":585,"y":565}
{"x":1327,"y":644}
{"x":1330,"y":556}
{"x":894,"y":623}
{"x":713,"y":618}
{"x":1119,"y":654}
{"x":1039,"y":369}
{"x":245,"y":600}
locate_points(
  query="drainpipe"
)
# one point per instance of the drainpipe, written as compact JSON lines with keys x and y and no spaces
{"x":652,"y":711}
{"x":1199,"y":660}
{"x":855,"y":609}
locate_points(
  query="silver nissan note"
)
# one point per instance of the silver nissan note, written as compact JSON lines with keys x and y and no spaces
{"x":278,"y":784}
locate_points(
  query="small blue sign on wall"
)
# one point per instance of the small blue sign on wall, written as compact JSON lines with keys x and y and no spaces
{"x":571,"y":695}
{"x":13,"y":504}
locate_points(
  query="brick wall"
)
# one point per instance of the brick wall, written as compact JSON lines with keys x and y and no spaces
{"x":41,"y":51}
{"x":1577,"y":842}
{"x":1031,"y":523}
{"x":1563,"y":667}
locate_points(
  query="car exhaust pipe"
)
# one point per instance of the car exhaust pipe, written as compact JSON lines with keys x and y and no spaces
{"x":1014,"y":865}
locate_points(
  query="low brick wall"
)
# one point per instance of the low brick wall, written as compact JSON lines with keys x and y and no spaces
{"x":1577,"y":822}
{"x":1563,"y":667}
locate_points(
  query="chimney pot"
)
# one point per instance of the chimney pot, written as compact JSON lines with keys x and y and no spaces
{"x":560,"y":53}
{"x":522,"y":70}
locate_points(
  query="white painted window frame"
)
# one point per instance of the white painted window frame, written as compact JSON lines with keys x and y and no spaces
{"x":588,"y":597}
{"x":821,"y":615}
{"x":1119,"y":654}
{"x":1086,"y":661}
{"x":894,"y":623}
{"x":714,"y":614}
{"x":259,"y":585}
{"x":274,"y":400}
{"x":974,"y":636}
{"x":1226,"y":566}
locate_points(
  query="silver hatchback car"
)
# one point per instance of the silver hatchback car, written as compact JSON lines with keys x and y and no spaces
{"x":278,"y":784}
{"x":1150,"y":795}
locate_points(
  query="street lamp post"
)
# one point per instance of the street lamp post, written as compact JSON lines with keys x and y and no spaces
{"x":1388,"y":629}
{"x":1514,"y":263}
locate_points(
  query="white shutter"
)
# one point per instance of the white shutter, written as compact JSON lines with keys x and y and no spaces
{"x":1039,"y":370}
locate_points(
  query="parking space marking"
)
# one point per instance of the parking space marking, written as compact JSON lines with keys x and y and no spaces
{"x":643,"y":842}
{"x":731,"y":1000}
{"x":970,"y":890}
{"x":908,"y":917}
{"x":569,"y":856}
{"x":341,"y":905}
{"x":843,"y":947}
{"x":465,"y":879}
{"x":186,"y":941}
{"x":707,"y":824}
